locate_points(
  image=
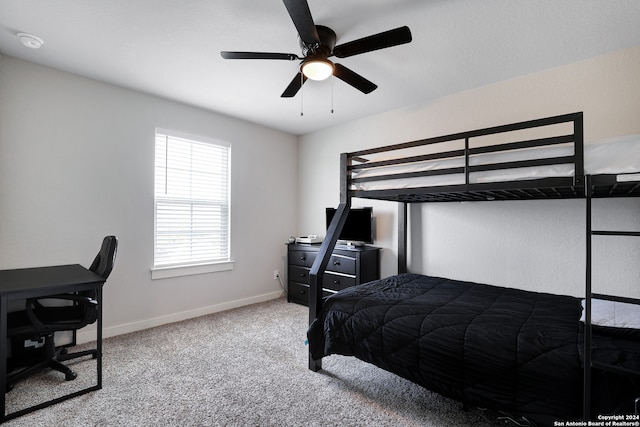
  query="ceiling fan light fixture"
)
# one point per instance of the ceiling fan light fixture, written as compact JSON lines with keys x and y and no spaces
{"x":317,"y":68}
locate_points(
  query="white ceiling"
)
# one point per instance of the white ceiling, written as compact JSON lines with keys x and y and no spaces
{"x":171,"y":48}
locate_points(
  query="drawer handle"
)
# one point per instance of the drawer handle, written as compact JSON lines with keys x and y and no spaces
{"x":336,"y":282}
{"x":302,"y":274}
{"x":302,"y":258}
{"x":336,"y":262}
{"x":302,"y":292}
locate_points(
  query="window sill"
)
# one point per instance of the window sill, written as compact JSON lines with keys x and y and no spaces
{"x":188,"y":270}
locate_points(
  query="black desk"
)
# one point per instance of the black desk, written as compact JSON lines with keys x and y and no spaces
{"x":24,"y":283}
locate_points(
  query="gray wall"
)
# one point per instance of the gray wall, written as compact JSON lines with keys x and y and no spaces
{"x":531,"y":245}
{"x":77,"y":163}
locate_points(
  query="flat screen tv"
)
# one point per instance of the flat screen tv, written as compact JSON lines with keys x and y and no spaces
{"x":359,"y":225}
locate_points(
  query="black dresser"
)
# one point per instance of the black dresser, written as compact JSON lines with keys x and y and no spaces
{"x":348,"y":266}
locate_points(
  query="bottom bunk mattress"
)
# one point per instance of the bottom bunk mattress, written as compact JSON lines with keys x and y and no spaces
{"x":500,"y":348}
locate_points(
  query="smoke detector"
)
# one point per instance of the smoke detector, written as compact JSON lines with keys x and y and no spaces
{"x":30,"y":41}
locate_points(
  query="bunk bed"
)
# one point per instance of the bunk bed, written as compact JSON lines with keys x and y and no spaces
{"x":535,"y":355}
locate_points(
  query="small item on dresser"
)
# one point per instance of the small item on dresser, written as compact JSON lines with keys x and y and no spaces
{"x":292,"y":239}
{"x":311,"y":238}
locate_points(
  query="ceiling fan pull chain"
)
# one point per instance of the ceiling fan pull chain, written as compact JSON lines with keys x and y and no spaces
{"x":301,"y":92}
{"x":332,"y":78}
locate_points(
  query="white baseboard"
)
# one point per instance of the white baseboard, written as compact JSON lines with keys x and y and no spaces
{"x":112,"y":331}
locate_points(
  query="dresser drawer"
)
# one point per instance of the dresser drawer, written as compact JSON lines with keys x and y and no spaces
{"x":337,"y":282}
{"x":299,"y":292}
{"x":299,"y":274}
{"x":302,"y":258}
{"x":342,"y":264}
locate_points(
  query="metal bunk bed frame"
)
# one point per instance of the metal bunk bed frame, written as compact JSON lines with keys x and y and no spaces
{"x":602,"y":186}
{"x":566,"y":187}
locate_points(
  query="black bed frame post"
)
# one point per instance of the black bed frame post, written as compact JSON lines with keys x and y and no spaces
{"x":578,"y":132}
{"x":586,"y":413}
{"x":466,"y":161}
{"x":402,"y":237}
{"x":326,"y":249}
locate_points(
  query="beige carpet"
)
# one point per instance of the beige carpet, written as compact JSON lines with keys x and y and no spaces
{"x":243,"y":367}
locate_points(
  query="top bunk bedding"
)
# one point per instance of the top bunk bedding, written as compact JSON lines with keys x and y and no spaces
{"x":544,"y":158}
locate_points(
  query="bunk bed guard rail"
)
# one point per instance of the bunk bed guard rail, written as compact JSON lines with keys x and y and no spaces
{"x":491,"y":163}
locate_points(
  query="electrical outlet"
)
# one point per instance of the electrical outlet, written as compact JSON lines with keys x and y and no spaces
{"x":276,"y":274}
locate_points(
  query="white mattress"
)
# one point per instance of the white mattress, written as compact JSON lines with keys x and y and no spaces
{"x":613,"y":314}
{"x":619,"y":156}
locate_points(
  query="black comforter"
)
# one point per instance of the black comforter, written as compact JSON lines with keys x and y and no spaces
{"x":493,"y":347}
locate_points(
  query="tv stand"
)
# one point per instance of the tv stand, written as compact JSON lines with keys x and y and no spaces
{"x":348,"y":266}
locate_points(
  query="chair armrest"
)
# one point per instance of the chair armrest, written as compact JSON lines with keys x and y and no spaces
{"x":34,"y":303}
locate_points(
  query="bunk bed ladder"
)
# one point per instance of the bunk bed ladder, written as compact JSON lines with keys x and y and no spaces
{"x":316,"y":273}
{"x":588,"y":360}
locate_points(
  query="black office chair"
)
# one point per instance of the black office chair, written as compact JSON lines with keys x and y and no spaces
{"x":39,"y":322}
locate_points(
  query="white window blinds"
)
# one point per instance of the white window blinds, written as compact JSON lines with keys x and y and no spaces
{"x":191,"y":200}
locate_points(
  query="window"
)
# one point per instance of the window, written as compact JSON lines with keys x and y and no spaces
{"x":191,"y":204}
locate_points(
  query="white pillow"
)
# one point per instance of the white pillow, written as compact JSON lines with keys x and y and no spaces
{"x":613,"y":314}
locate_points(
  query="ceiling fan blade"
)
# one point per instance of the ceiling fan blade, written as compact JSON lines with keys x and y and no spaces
{"x":382,"y":40}
{"x":294,"y":86}
{"x":258,"y":55}
{"x":354,"y":79}
{"x":302,"y":19}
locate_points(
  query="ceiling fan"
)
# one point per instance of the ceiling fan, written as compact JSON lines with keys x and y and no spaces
{"x":318,"y":45}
